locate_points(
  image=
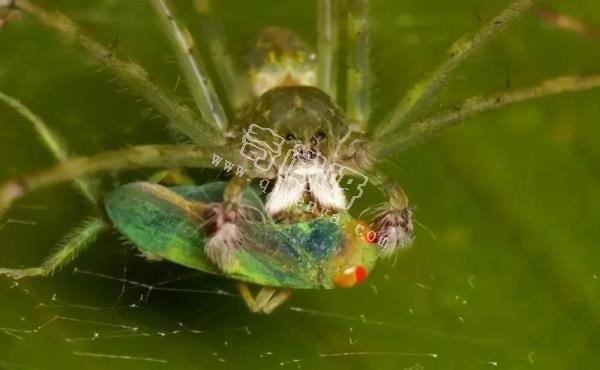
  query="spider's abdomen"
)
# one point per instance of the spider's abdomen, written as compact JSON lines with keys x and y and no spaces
{"x":280,"y":57}
{"x":301,"y":126}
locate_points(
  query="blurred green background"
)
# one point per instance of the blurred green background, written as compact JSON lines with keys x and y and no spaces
{"x":504,"y":273}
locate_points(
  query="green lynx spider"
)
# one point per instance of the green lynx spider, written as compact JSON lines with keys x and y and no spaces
{"x":360,"y":144}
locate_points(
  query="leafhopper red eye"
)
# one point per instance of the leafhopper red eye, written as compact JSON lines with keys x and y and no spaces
{"x":350,"y":277}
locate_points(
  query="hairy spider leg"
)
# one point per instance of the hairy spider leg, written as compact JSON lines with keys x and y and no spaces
{"x":391,"y":221}
{"x":74,"y":243}
{"x":136,"y":157}
{"x":460,"y":51}
{"x":181,"y":117}
{"x":328,"y":46}
{"x":422,"y":130}
{"x":82,"y":236}
{"x":194,"y":71}
{"x":226,"y":238}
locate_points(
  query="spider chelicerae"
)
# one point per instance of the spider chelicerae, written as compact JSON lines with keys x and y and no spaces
{"x":287,"y":101}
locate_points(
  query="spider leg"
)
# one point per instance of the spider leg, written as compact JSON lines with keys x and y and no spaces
{"x":235,"y":84}
{"x":328,"y":44}
{"x":81,"y":237}
{"x":52,"y":142}
{"x":193,"y":68}
{"x":459,"y":52}
{"x":267,"y":299}
{"x":180,"y":116}
{"x":75,"y":242}
{"x":419,"y":131}
{"x":143,"y":156}
{"x":84,"y":235}
{"x":227,"y":238}
{"x":358,"y":73}
{"x":392,"y":221}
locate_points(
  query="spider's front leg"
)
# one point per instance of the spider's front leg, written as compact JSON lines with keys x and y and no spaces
{"x":229,"y":216}
{"x":392,"y":220}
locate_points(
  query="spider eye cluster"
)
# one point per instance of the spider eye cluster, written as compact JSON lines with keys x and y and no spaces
{"x":316,"y":139}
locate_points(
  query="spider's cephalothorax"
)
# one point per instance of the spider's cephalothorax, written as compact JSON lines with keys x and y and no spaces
{"x":323,"y":152}
{"x":312,"y":126}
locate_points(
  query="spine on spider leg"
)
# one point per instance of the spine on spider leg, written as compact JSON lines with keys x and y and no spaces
{"x":459,"y":52}
{"x":194,"y":71}
{"x":180,"y":116}
{"x":358,"y":64}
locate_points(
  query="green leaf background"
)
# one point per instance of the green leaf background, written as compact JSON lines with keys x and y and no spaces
{"x":504,"y":273}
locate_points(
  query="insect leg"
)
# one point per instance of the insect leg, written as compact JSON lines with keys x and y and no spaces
{"x":267,"y":299}
{"x":180,"y":116}
{"x":358,"y":74}
{"x":255,"y":304}
{"x":422,"y":130}
{"x":459,"y":52}
{"x":235,"y":84}
{"x":75,"y":242}
{"x":328,"y":44}
{"x":277,"y":300}
{"x":193,"y":68}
